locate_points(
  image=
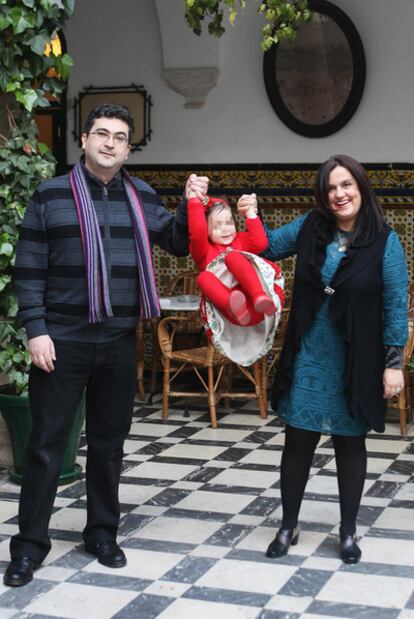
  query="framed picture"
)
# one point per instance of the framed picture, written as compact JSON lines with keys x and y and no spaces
{"x":135,"y":98}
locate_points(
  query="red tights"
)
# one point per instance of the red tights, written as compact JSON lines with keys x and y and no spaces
{"x":248,"y":282}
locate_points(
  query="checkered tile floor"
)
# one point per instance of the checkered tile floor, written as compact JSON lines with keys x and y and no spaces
{"x":199,"y":507}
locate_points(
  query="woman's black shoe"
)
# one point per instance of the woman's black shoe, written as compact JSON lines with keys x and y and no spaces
{"x":280,"y":545}
{"x":350,"y":551}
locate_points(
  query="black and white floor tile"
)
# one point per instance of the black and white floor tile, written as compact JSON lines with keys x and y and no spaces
{"x":200,"y":506}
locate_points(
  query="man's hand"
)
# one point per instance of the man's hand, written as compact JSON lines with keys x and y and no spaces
{"x":42,"y":352}
{"x":196,"y":186}
{"x":247,"y":205}
{"x":393,"y":382}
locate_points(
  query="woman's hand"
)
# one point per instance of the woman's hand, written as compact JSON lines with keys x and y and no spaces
{"x":247,"y":205}
{"x":393,"y":382}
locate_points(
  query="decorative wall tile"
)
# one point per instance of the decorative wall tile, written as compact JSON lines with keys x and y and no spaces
{"x":284,"y":192}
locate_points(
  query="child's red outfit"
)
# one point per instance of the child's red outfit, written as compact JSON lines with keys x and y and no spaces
{"x":203,"y":251}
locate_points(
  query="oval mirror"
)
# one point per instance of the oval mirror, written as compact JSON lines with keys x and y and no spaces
{"x":315,"y":82}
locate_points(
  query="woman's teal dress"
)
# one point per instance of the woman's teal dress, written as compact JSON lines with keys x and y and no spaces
{"x":316,"y":400}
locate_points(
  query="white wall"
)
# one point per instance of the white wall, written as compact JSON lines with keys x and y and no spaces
{"x":117,"y":43}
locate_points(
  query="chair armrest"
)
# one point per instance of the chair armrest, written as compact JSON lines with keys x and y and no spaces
{"x":409,"y":347}
{"x":168,"y":327}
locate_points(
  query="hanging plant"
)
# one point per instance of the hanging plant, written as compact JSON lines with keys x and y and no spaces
{"x":283,"y":17}
{"x":29,"y":70}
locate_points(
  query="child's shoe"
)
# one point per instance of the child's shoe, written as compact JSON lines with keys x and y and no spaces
{"x":264,"y":304}
{"x":238,"y":308}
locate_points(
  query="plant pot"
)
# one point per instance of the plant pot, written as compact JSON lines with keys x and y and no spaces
{"x":17,"y":415}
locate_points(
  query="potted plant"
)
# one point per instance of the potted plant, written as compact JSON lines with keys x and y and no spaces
{"x":15,"y":407}
{"x":31,"y":75}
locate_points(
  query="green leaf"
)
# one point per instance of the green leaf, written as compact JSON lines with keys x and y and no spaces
{"x":42,"y":102}
{"x":12,"y":86}
{"x":42,"y":148}
{"x":26,"y":73}
{"x":28,"y":98}
{"x":13,"y":307}
{"x":4,"y":280}
{"x":39,"y":43}
{"x":7,"y":57}
{"x":4,"y":189}
{"x":4,"y":79}
{"x":64,"y":64}
{"x":69,"y":6}
{"x":5,"y":21}
{"x":21,"y":20}
{"x":46,"y":4}
{"x":6,"y":249}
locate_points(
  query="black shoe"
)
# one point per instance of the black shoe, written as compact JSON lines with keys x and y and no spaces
{"x":350,"y":551}
{"x":280,"y":545}
{"x":19,"y":572}
{"x":108,"y":553}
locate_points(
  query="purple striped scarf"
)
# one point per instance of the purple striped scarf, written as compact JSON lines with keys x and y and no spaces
{"x":96,"y":269}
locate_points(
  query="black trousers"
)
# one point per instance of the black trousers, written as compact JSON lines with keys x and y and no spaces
{"x":107,"y":372}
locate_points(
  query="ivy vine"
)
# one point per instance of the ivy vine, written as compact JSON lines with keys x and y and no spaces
{"x":283,"y":17}
{"x":29,"y":78}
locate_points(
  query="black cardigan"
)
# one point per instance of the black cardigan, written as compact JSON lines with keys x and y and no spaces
{"x":355,"y":308}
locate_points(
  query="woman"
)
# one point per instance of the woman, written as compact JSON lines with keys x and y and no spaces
{"x":342,"y":356}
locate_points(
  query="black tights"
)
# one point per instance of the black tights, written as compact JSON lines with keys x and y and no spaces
{"x":351,"y":464}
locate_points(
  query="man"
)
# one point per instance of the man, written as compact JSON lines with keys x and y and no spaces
{"x":83,"y":276}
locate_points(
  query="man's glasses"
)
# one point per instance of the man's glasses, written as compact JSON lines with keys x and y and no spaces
{"x":120,"y":139}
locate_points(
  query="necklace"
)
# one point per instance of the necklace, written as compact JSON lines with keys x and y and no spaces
{"x":342,"y":240}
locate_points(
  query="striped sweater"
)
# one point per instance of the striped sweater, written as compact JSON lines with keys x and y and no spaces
{"x":50,"y":274}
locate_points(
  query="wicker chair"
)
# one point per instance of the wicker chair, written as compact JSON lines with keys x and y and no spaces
{"x":208,"y":365}
{"x":183,"y":283}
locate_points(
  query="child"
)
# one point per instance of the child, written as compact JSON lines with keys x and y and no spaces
{"x":213,"y":232}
